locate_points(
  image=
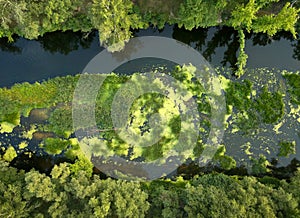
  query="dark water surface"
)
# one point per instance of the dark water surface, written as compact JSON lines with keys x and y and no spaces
{"x":58,"y":54}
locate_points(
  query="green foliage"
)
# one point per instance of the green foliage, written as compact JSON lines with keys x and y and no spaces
{"x":12,"y":202}
{"x":226,"y":162}
{"x":114,"y":19}
{"x":203,"y":13}
{"x":238,"y":94}
{"x":60,"y":121}
{"x":205,"y":202}
{"x":270,"y":181}
{"x":242,"y":58}
{"x":287,"y":148}
{"x":10,"y":154}
{"x":294,"y":186}
{"x":216,"y":195}
{"x":246,"y":16}
{"x":12,"y":13}
{"x":293,"y":81}
{"x":250,"y":107}
{"x":271,"y":24}
{"x":54,"y":145}
{"x":243,"y":15}
{"x":259,"y":166}
{"x":65,"y":194}
{"x":270,"y":106}
{"x":82,"y":164}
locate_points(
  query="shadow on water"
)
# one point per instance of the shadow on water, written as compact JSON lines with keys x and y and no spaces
{"x":66,"y":42}
{"x":63,"y":53}
{"x":55,"y":42}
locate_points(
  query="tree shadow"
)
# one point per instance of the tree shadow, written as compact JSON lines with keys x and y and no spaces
{"x":66,"y":42}
{"x":11,"y":47}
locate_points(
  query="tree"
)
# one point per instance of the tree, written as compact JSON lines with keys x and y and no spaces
{"x":12,"y":14}
{"x":246,"y":17}
{"x":203,"y":13}
{"x":66,"y":194}
{"x":271,"y":24}
{"x":114,"y":19}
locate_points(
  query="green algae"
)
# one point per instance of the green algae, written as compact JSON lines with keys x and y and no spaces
{"x":10,"y":154}
{"x":23,"y":145}
{"x":286,"y":148}
{"x":260,"y":165}
{"x":238,"y":94}
{"x":226,"y":162}
{"x":55,"y":145}
{"x":293,"y":81}
{"x":270,"y":106}
{"x":249,"y":106}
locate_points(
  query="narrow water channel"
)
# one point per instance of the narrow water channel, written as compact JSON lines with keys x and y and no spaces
{"x":67,"y":53}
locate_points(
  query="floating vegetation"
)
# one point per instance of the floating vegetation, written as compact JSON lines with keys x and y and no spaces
{"x":260,"y":165}
{"x":54,"y":145}
{"x":260,"y":115}
{"x":10,"y":154}
{"x":226,"y":162}
{"x":60,"y":121}
{"x":23,"y":145}
{"x":270,"y":106}
{"x":287,"y":148}
{"x":293,"y":81}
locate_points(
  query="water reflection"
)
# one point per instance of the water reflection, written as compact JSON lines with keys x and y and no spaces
{"x":10,"y":46}
{"x":62,"y":53}
{"x":210,"y":41}
{"x":66,"y":42}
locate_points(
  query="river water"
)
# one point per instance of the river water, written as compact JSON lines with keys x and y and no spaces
{"x":59,"y":54}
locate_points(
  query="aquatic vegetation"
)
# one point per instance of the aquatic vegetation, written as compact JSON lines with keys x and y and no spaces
{"x":226,"y":162}
{"x":287,"y":148}
{"x":270,"y":106}
{"x":293,"y":81}
{"x":154,"y":123}
{"x":10,"y":154}
{"x":54,"y":145}
{"x":23,"y":144}
{"x":60,"y":121}
{"x":238,"y":94}
{"x":259,"y":166}
{"x":29,"y":133}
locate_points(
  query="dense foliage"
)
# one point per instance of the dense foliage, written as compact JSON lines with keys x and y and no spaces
{"x":65,"y":194}
{"x":116,"y":18}
{"x":39,"y":116}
